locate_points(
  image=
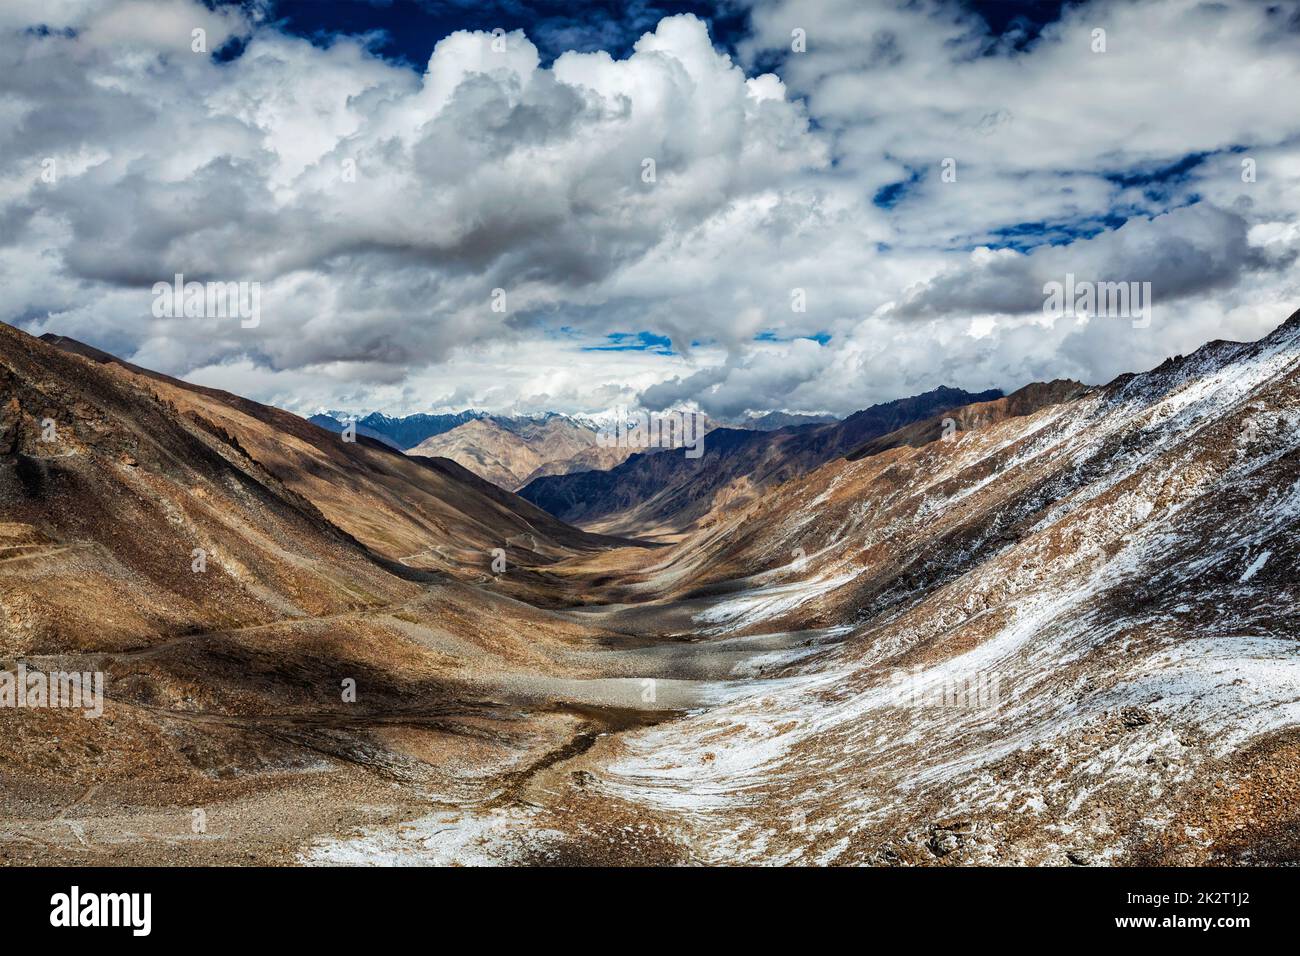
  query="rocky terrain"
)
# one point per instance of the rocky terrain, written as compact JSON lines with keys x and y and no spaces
{"x":1070,"y":637}
{"x":511,"y":452}
{"x":1056,"y":627}
{"x":665,"y":494}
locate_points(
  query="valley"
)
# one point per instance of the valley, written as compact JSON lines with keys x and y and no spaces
{"x":769,"y":664}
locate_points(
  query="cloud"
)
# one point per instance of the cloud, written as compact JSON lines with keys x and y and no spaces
{"x":379,"y":210}
{"x":381,"y":207}
{"x":1189,"y":251}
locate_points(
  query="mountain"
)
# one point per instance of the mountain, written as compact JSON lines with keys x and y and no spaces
{"x":281,"y":624}
{"x":507,"y":450}
{"x":400,"y":432}
{"x":428,"y":512}
{"x":1063,"y":637}
{"x":772,"y":421}
{"x":656,"y":493}
{"x":337,"y":421}
{"x":512,"y":451}
{"x":1052,"y":628}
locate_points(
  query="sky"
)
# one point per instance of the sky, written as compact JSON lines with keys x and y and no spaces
{"x":738,"y":207}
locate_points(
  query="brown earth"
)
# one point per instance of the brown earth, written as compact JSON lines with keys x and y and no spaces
{"x":1099,"y":580}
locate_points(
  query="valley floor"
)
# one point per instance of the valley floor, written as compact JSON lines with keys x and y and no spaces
{"x":486,"y":775}
{"x":603,"y":757}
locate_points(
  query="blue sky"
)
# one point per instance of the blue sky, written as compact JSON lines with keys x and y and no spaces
{"x":410,"y":28}
{"x":517,"y":206}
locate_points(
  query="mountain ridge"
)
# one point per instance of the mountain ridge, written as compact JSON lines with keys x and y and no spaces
{"x":654,"y":492}
{"x":510,"y":453}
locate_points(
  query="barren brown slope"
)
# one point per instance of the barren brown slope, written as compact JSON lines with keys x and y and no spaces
{"x":511,"y":456}
{"x":425,"y":512}
{"x":105,"y":476}
{"x":486,"y":449}
{"x":223,"y":681}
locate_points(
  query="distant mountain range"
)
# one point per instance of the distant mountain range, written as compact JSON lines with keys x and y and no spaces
{"x":507,"y":450}
{"x":407,"y":431}
{"x":667,"y":492}
{"x":512,"y":450}
{"x":774,"y":420}
{"x":557,"y":462}
{"x":402,"y":433}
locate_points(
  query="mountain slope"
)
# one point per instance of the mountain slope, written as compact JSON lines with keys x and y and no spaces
{"x":284,"y":626}
{"x":1070,"y":636}
{"x":510,"y":452}
{"x":427,"y":512}
{"x":121,"y":489}
{"x":669,"y":491}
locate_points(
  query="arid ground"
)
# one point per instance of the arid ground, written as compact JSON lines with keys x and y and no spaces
{"x":1063,"y":631}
